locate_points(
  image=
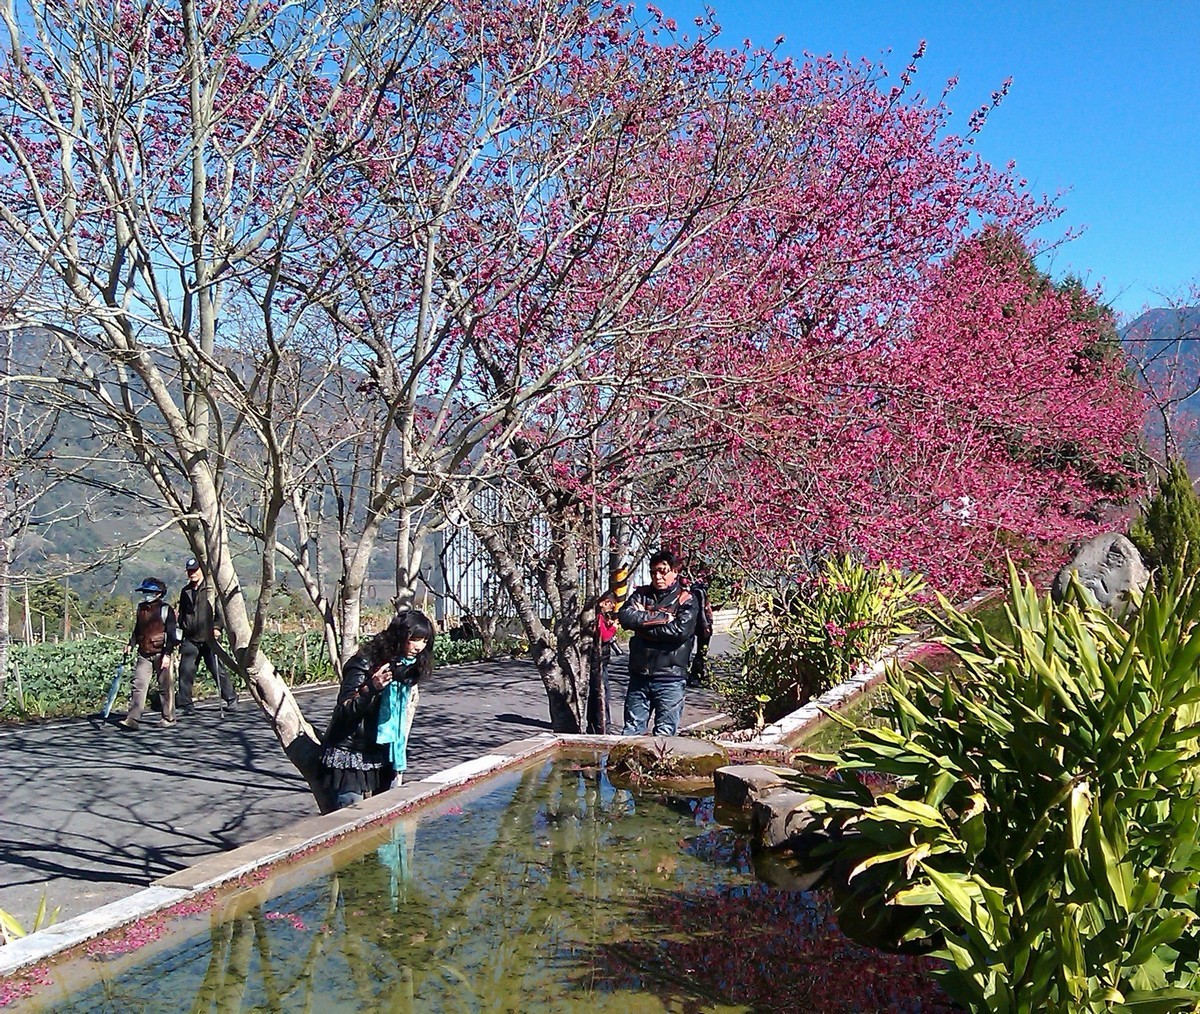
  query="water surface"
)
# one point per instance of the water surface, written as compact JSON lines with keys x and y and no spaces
{"x":549,"y":890}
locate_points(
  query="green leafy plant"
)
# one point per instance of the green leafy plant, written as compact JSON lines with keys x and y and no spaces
{"x":799,"y":644}
{"x":300,"y":657}
{"x":11,"y":928}
{"x":60,"y":680}
{"x":448,"y":652}
{"x":1044,"y":837}
{"x":1167,"y":532}
{"x":27,"y":704}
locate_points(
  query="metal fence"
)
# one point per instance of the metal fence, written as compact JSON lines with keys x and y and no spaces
{"x":461,"y":578}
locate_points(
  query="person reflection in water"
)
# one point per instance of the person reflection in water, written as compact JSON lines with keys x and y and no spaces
{"x":366,"y":743}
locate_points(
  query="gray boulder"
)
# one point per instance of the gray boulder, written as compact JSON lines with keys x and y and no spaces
{"x":779,"y":816}
{"x":741,"y":784}
{"x":1110,"y":568}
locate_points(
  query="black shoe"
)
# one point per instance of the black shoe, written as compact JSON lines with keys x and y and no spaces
{"x":228,"y":707}
{"x":187,"y":709}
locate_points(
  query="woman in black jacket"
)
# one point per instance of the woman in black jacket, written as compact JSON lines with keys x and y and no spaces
{"x":366,"y":744}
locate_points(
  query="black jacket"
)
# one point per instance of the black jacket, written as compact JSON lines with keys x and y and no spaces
{"x":356,"y":716}
{"x":664,"y":626}
{"x":196,"y":617}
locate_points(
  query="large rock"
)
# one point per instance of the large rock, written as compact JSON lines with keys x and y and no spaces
{"x":668,"y":761}
{"x":739,"y":785}
{"x":1110,"y":568}
{"x":778,"y":817}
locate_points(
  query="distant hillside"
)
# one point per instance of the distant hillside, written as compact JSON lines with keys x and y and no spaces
{"x":1165,"y":324}
{"x":80,"y":524}
{"x":1167,"y":341}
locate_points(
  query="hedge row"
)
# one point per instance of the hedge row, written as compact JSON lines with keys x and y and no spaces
{"x":71,"y":679}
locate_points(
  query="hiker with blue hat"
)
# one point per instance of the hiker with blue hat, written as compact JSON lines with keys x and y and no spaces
{"x":200,"y":629}
{"x":153,"y":638}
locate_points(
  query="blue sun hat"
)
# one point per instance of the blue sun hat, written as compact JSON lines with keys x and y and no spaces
{"x":152,"y":584}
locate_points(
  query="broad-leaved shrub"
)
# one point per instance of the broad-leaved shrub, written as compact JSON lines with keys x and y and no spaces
{"x":1045,"y":837}
{"x":798,"y":644}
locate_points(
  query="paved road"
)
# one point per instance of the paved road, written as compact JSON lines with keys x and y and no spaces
{"x":89,"y":814}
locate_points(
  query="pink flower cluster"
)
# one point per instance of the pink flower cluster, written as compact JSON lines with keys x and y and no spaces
{"x":290,"y":918}
{"x":22,"y":984}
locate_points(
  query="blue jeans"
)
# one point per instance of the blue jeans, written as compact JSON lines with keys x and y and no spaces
{"x":663,"y":695}
{"x":348,"y":799}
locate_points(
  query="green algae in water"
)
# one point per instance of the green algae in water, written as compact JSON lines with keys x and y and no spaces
{"x":550,"y":891}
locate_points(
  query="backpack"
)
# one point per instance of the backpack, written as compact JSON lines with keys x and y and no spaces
{"x":704,"y":619}
{"x":151,"y":627}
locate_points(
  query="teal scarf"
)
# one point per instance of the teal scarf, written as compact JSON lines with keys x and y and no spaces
{"x":391,"y":730}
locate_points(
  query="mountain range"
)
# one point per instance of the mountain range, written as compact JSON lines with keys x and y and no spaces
{"x":1164,"y":343}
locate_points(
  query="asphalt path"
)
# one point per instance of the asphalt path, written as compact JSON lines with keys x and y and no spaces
{"x":90,"y":814}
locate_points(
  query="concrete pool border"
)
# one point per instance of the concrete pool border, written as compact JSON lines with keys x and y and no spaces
{"x":226,"y":869}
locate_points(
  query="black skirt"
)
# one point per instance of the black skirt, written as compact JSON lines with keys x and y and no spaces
{"x":349,"y":771}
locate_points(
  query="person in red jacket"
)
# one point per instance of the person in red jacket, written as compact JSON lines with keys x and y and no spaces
{"x":599,"y":716}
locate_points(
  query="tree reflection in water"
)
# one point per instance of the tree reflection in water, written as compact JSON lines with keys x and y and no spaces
{"x":553,"y":891}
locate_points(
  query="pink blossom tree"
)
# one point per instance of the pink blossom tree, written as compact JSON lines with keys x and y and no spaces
{"x":329,"y":270}
{"x":995,"y":414}
{"x":808,"y":373}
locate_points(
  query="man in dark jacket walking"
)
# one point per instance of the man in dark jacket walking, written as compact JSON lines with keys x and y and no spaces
{"x":199,"y":629}
{"x":662,"y":616}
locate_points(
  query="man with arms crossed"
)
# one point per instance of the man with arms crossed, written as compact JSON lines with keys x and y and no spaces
{"x":662,"y":616}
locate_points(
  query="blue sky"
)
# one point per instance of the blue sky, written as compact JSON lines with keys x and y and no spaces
{"x":1104,"y":105}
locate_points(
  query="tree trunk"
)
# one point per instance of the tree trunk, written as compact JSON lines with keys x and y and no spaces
{"x":560,"y":694}
{"x":266,"y":687}
{"x":408,"y":559}
{"x":555,"y":653}
{"x":6,"y":548}
{"x":297,"y":737}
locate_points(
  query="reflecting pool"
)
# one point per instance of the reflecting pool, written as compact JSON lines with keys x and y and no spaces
{"x":547,"y":889}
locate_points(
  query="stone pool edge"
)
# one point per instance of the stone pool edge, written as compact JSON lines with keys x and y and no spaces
{"x":225,"y":868}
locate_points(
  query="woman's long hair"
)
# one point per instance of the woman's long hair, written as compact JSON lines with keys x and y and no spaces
{"x":388,"y":644}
